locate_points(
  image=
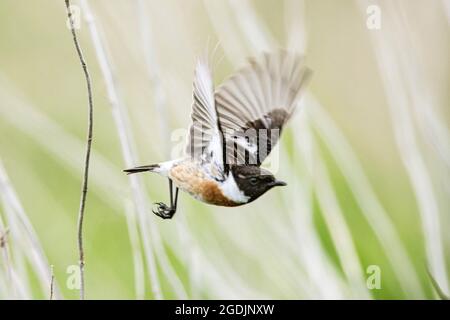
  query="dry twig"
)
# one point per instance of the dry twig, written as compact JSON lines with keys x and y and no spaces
{"x":3,"y":237}
{"x":88,"y":151}
{"x":52,"y":282}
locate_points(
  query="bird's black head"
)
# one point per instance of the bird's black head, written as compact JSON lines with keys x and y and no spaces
{"x":254,"y":181}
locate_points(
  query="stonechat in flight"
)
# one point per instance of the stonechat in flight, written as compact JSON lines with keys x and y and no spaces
{"x":234,"y":128}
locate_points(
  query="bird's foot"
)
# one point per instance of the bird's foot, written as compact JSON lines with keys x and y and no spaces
{"x":164,"y":211}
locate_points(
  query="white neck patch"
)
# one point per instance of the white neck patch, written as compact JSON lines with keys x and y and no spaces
{"x":231,"y":190}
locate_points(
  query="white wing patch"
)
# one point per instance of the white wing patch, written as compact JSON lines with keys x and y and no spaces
{"x":231,"y":190}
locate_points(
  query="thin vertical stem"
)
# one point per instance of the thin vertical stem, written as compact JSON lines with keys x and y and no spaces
{"x":154,"y":74}
{"x":88,"y":151}
{"x":126,"y":142}
{"x":408,"y":96}
{"x":52,"y":282}
{"x":23,"y":242}
{"x":8,"y":284}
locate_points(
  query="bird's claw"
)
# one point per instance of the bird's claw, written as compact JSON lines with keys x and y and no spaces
{"x":163,"y":211}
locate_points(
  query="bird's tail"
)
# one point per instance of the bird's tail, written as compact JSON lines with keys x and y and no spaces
{"x":151,"y":167}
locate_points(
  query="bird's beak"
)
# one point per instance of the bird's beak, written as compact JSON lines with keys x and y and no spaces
{"x":279,"y":183}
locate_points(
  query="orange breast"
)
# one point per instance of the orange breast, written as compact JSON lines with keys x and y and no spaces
{"x":211,"y":193}
{"x":189,"y":177}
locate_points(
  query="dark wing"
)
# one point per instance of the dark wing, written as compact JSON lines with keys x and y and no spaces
{"x":204,"y":141}
{"x":254,"y":105}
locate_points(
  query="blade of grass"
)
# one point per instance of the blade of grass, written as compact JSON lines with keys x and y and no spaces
{"x":59,"y":143}
{"x":23,"y":232}
{"x":160,"y":106}
{"x":139,"y":267}
{"x":311,"y":255}
{"x":294,"y":17}
{"x":370,"y":206}
{"x":256,"y":34}
{"x":401,"y":95}
{"x":333,"y":214}
{"x":64,"y":147}
{"x":119,"y":115}
{"x":153,"y":72}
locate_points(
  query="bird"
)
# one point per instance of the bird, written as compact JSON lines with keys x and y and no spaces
{"x":234,"y":127}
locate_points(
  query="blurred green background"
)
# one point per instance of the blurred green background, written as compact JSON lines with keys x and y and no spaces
{"x":379,"y":98}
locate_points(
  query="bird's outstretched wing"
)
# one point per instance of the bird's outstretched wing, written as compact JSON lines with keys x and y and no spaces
{"x":254,"y":104}
{"x":204,"y":140}
{"x":241,"y":122}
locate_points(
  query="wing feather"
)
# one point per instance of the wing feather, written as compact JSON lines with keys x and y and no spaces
{"x":204,"y":141}
{"x":262,"y":95}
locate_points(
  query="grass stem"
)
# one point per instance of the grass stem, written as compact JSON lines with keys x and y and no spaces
{"x":88,"y":151}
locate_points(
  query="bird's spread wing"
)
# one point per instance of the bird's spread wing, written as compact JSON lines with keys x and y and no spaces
{"x":204,"y":139}
{"x":241,"y":122}
{"x":255,"y":103}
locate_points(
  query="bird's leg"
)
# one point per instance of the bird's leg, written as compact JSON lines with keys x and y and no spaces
{"x":164,"y":211}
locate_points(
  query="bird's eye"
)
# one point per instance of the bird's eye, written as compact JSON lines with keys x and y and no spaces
{"x":253,"y":180}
